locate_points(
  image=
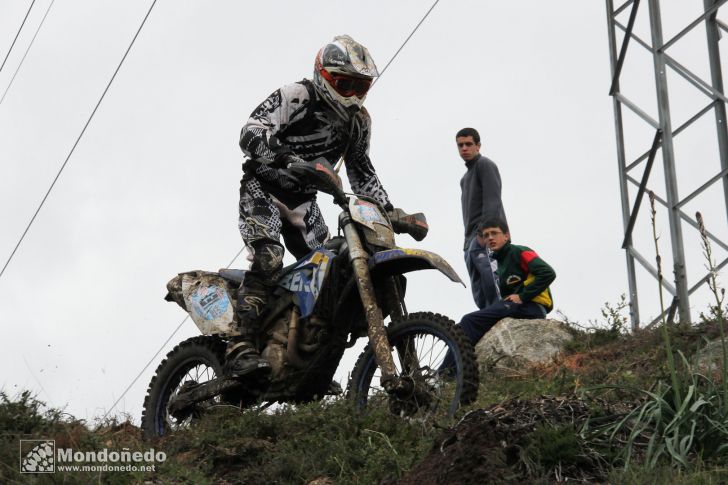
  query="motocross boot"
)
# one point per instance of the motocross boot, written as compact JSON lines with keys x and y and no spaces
{"x":242,"y":355}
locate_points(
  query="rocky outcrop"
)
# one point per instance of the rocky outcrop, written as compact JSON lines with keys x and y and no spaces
{"x":513,"y":345}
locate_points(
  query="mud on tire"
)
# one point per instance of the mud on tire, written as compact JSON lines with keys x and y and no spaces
{"x":429,"y":336}
{"x":199,"y":358}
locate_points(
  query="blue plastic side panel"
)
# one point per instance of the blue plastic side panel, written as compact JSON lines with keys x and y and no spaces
{"x":307,"y":278}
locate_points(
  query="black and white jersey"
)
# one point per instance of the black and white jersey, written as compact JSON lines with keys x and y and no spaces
{"x":295,"y":120}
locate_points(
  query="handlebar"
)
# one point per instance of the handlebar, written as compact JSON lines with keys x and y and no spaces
{"x":321,"y":174}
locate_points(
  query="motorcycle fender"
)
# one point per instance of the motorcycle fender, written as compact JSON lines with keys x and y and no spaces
{"x":400,"y":261}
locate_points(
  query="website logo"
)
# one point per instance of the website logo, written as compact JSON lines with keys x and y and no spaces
{"x":37,"y":456}
{"x":42,"y":456}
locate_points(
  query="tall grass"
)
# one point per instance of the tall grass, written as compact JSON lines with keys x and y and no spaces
{"x":682,"y":424}
{"x":665,"y":333}
{"x":719,"y":295}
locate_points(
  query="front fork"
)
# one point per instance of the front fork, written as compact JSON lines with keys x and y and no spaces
{"x":375,"y":321}
{"x":406,"y":351}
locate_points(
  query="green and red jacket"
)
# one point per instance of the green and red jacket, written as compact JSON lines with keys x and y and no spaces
{"x":523,"y":272}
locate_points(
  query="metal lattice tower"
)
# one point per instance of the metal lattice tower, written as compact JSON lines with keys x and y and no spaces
{"x":674,"y":202}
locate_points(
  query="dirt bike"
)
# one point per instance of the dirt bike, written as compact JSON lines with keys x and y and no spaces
{"x":323,"y":303}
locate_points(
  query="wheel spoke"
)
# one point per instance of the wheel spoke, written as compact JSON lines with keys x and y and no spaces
{"x":419,"y":349}
{"x":195,"y":361}
{"x":192,"y":375}
{"x":198,"y":373}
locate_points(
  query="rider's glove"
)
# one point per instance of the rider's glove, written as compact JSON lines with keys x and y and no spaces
{"x":283,"y":160}
{"x":321,"y":165}
{"x":287,"y":179}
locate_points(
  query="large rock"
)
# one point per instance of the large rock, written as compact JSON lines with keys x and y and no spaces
{"x":710,"y":359}
{"x":516,"y":344}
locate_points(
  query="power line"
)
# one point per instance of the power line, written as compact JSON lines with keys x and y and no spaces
{"x":145,"y":366}
{"x":51,"y":401}
{"x":78,"y":139}
{"x":407,"y":39}
{"x":236,"y":256}
{"x":160,"y":350}
{"x":26,"y":51}
{"x":16,"y":35}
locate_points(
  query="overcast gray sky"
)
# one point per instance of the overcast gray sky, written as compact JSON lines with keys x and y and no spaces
{"x":152,"y":188}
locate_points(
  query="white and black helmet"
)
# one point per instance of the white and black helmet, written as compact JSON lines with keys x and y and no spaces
{"x":343,"y":73}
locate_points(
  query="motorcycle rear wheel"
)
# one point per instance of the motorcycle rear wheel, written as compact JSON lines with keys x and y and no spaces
{"x":419,"y":344}
{"x":196,"y":360}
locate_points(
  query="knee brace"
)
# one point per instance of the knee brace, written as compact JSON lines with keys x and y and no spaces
{"x":267,"y":261}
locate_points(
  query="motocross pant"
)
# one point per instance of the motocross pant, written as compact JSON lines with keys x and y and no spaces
{"x":263,"y":219}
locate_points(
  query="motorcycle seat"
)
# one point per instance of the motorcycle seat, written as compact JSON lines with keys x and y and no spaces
{"x":335,"y":245}
{"x":234,"y":275}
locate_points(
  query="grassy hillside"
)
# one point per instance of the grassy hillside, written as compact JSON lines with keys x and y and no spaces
{"x":538,"y":426}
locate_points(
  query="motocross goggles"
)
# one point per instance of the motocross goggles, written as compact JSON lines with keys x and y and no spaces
{"x":347,"y":86}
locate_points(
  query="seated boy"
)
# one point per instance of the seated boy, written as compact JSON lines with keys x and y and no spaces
{"x":523,"y":279}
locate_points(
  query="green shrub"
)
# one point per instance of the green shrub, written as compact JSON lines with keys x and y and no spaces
{"x":296,"y":444}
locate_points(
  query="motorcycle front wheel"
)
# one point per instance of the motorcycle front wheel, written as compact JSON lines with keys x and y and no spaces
{"x":419,"y":344}
{"x":194,"y":361}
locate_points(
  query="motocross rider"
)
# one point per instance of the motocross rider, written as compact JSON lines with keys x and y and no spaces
{"x":299,"y":122}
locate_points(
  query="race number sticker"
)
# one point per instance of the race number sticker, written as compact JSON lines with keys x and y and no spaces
{"x":210,"y":302}
{"x":369,"y":213}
